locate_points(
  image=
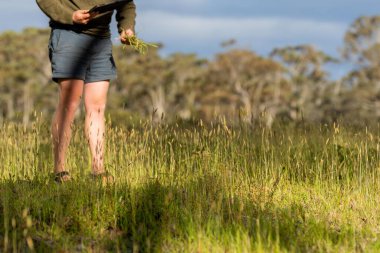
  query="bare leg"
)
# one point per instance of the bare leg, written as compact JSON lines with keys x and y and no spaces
{"x":95,"y":97}
{"x":70,"y":93}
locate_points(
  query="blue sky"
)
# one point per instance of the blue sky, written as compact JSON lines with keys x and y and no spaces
{"x":200,"y":26}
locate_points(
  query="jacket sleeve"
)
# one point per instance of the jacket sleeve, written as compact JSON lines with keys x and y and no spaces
{"x":126,"y":17}
{"x":56,"y":11}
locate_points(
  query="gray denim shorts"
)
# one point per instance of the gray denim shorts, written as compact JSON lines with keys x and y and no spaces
{"x":80,"y":56}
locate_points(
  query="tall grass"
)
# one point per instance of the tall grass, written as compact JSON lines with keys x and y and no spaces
{"x":194,"y":188}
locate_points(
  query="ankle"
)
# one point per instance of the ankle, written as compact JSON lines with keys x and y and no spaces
{"x":98,"y":171}
{"x":59,"y":170}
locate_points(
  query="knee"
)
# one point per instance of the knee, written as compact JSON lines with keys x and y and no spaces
{"x":70,"y":107}
{"x":95,"y":107}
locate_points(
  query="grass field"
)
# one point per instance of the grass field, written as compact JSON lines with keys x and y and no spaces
{"x":197,"y":188}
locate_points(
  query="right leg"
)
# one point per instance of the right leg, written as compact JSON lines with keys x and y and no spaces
{"x":70,"y":94}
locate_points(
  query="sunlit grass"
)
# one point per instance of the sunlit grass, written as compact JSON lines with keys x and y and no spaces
{"x":182,"y":188}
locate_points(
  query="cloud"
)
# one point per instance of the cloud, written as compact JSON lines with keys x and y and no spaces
{"x":183,"y":6}
{"x":179,"y":2}
{"x":204,"y":34}
{"x":19,"y":5}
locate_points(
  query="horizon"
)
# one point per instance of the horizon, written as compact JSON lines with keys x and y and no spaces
{"x":200,"y":26}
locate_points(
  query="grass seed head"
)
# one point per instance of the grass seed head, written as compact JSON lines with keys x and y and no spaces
{"x":139,"y":45}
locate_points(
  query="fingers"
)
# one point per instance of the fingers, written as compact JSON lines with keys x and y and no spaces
{"x":124,"y":36}
{"x":123,"y":39}
{"x":83,"y":17}
{"x":129,"y":33}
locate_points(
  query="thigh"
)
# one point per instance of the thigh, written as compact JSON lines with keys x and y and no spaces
{"x":70,"y":90}
{"x":95,"y":94}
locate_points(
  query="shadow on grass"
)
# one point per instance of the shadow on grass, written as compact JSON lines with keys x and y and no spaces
{"x":82,"y":215}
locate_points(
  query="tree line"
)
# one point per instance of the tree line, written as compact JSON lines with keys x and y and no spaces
{"x":291,"y":84}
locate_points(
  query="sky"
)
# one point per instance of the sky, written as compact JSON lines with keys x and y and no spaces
{"x":199,"y":26}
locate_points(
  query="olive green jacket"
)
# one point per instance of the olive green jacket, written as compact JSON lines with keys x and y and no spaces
{"x":60,"y":13}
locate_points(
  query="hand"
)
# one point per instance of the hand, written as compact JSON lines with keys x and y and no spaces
{"x":82,"y":17}
{"x":124,"y":35}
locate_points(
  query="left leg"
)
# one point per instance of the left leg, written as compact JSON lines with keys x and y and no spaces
{"x":95,"y":99}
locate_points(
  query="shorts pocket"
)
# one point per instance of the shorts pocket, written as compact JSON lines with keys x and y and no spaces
{"x":55,"y":37}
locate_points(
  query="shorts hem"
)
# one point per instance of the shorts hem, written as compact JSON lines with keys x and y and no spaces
{"x":55,"y":78}
{"x":103,"y":78}
{"x":62,"y":76}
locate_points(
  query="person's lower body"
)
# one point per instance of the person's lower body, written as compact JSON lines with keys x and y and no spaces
{"x":95,"y":98}
{"x":82,"y":65}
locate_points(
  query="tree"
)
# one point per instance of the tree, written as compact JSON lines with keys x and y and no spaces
{"x":25,"y":74}
{"x":155,"y":85}
{"x":362,"y":41}
{"x":306,"y":77}
{"x":239,"y":82}
{"x":362,"y":47}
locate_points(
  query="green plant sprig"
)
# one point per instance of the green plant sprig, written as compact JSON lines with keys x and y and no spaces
{"x":139,"y":45}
